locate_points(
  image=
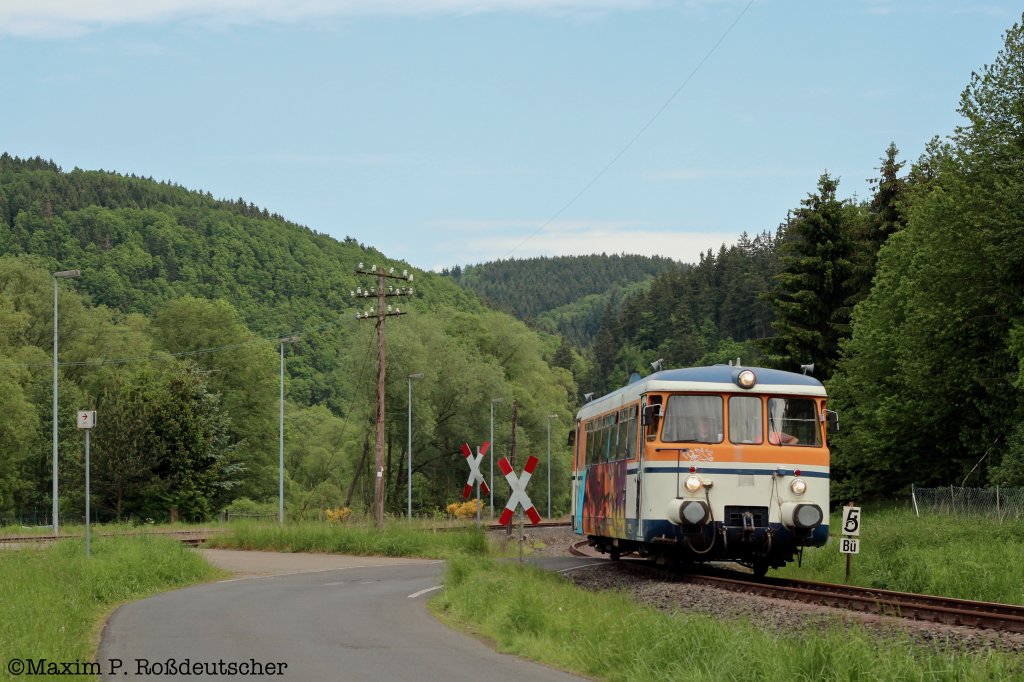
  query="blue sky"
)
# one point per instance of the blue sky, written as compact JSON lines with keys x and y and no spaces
{"x":451,"y":132}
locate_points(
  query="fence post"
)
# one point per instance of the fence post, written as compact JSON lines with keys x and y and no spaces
{"x":913,"y":497}
{"x":952,"y":499}
{"x":999,"y":514}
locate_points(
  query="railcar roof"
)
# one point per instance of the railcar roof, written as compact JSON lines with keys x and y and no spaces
{"x":724,"y":374}
{"x":715,"y":377}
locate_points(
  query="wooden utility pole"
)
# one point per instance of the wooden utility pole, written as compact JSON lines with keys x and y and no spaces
{"x":383,"y":311}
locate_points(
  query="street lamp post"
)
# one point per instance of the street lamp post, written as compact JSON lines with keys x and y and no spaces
{"x":418,"y":375}
{"x":63,"y":274}
{"x":550,"y":417}
{"x":491,"y":441}
{"x":280,"y":475}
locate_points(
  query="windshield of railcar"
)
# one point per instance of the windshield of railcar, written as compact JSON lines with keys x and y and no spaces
{"x":693,"y":419}
{"x":793,"y":421}
{"x":745,"y":422}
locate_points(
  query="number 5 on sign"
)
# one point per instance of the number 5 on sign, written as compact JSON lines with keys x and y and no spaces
{"x":851,"y":521}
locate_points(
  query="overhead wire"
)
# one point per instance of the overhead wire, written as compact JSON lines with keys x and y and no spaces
{"x":639,"y":133}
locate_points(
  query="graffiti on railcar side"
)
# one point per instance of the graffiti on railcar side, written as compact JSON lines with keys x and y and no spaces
{"x":604,"y":503}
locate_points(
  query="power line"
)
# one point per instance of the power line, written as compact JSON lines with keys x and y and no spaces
{"x":636,"y":137}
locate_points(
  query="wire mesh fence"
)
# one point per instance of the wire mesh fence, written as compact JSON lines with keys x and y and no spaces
{"x":998,"y":503}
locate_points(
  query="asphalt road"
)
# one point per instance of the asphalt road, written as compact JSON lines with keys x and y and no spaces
{"x":366,"y":620}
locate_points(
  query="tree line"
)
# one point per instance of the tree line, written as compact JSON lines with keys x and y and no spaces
{"x":171,"y":336}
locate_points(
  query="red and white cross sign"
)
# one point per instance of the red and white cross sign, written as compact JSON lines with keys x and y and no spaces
{"x":519,"y":495}
{"x":474,"y":469}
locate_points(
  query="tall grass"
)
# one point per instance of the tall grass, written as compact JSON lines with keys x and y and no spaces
{"x":53,"y":599}
{"x":952,"y":556}
{"x":608,"y":636}
{"x":397,"y":539}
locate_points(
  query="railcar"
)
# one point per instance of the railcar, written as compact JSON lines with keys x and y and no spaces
{"x":721,"y":463}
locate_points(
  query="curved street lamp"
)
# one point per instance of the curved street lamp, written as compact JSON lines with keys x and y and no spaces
{"x":280,"y":431}
{"x":491,"y":483}
{"x":418,"y":375}
{"x":550,"y":417}
{"x":62,"y":274}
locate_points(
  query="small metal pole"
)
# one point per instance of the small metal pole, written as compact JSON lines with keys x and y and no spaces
{"x":913,"y":497}
{"x":522,"y":534}
{"x":280,"y":447}
{"x":549,"y":467}
{"x":87,"y":534}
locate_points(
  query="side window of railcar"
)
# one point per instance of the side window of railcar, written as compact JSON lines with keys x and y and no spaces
{"x":693,"y":418}
{"x":793,"y":421}
{"x":654,"y":405}
{"x":591,"y":438}
{"x":609,"y":437}
{"x":745,"y":422}
{"x":631,"y":433}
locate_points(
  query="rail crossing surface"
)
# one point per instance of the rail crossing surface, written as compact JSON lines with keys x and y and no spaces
{"x":340,"y":618}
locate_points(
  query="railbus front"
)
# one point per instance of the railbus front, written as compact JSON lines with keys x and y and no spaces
{"x":717,"y":463}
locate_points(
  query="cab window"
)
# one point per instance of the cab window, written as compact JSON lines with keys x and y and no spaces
{"x":745,"y":420}
{"x":694,"y":419}
{"x":793,"y":421}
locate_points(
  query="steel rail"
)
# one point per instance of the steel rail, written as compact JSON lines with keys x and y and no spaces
{"x":906,"y":605}
{"x":192,"y":537}
{"x":945,"y":610}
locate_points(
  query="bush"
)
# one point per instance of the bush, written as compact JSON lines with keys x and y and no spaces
{"x":465,"y":510}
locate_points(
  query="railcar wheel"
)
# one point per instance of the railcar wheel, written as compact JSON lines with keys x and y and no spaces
{"x":760,"y":567}
{"x":614,"y":554}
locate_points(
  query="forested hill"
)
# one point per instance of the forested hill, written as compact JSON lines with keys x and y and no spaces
{"x":139,"y":242}
{"x":529,"y":287}
{"x":171,"y":334}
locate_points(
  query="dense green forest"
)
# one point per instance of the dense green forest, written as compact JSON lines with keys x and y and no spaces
{"x":565,"y":295}
{"x":909,"y":303}
{"x":171,"y":334}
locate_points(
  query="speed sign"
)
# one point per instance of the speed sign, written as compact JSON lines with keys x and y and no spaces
{"x":851,"y":520}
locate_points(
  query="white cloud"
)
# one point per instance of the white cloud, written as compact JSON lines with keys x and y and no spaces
{"x":487,"y":240}
{"x":60,"y":18}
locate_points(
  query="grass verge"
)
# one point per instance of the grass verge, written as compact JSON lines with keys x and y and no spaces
{"x":54,"y":599}
{"x":397,"y":539}
{"x":539,"y":615}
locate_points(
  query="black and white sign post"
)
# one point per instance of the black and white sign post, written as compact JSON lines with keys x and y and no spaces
{"x":86,"y":420}
{"x":851,"y":527}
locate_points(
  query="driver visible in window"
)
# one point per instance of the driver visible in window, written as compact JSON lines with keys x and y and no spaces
{"x":782,"y":438}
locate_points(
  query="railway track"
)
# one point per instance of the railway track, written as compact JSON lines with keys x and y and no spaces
{"x":188,"y":537}
{"x":923,"y":607}
{"x":196,"y":537}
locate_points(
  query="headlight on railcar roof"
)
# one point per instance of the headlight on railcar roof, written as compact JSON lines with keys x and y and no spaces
{"x":746,"y":379}
{"x":693,"y":483}
{"x":797,"y":486}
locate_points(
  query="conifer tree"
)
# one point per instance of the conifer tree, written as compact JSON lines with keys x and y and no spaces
{"x":812,"y":291}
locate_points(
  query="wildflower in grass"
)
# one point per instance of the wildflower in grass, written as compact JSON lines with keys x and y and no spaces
{"x":339,"y":515}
